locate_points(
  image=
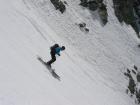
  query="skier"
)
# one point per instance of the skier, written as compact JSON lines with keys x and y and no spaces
{"x":55,"y":49}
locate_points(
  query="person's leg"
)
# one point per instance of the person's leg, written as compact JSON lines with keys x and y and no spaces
{"x":52,"y":60}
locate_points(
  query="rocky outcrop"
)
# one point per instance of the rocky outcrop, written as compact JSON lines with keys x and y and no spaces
{"x":59,"y":5}
{"x":124,"y":11}
{"x":96,"y":5}
{"x":133,"y":88}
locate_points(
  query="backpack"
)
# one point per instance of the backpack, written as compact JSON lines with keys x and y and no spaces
{"x":52,"y":48}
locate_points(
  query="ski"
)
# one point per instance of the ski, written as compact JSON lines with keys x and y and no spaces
{"x":52,"y":71}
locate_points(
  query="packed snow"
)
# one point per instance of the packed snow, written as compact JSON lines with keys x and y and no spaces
{"x":91,"y":68}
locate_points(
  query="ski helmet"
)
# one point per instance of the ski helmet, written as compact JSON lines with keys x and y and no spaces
{"x":63,"y":47}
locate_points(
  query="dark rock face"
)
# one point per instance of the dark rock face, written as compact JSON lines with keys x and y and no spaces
{"x":137,"y":7}
{"x":58,"y":5}
{"x":96,"y":5}
{"x":124,"y":10}
{"x":131,"y":86}
{"x":91,"y":5}
{"x":83,"y":27}
{"x":103,"y":13}
{"x":138,"y":77}
{"x":138,"y":95}
{"x":135,"y":67}
{"x":134,"y":83}
{"x":84,"y":3}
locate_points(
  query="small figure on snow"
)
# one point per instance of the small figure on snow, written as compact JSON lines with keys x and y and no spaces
{"x":55,"y":49}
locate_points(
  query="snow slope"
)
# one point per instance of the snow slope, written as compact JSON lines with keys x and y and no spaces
{"x":91,"y":68}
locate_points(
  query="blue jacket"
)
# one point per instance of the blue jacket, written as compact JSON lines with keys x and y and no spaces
{"x":57,"y":50}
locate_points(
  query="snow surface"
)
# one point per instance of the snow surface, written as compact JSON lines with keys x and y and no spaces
{"x":91,"y":68}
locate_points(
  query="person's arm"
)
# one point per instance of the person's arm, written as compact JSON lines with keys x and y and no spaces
{"x":58,"y":51}
{"x":58,"y":54}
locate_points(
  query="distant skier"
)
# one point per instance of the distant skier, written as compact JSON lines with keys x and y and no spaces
{"x":55,"y":49}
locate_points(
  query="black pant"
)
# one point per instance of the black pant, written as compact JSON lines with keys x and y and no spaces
{"x":53,"y":58}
